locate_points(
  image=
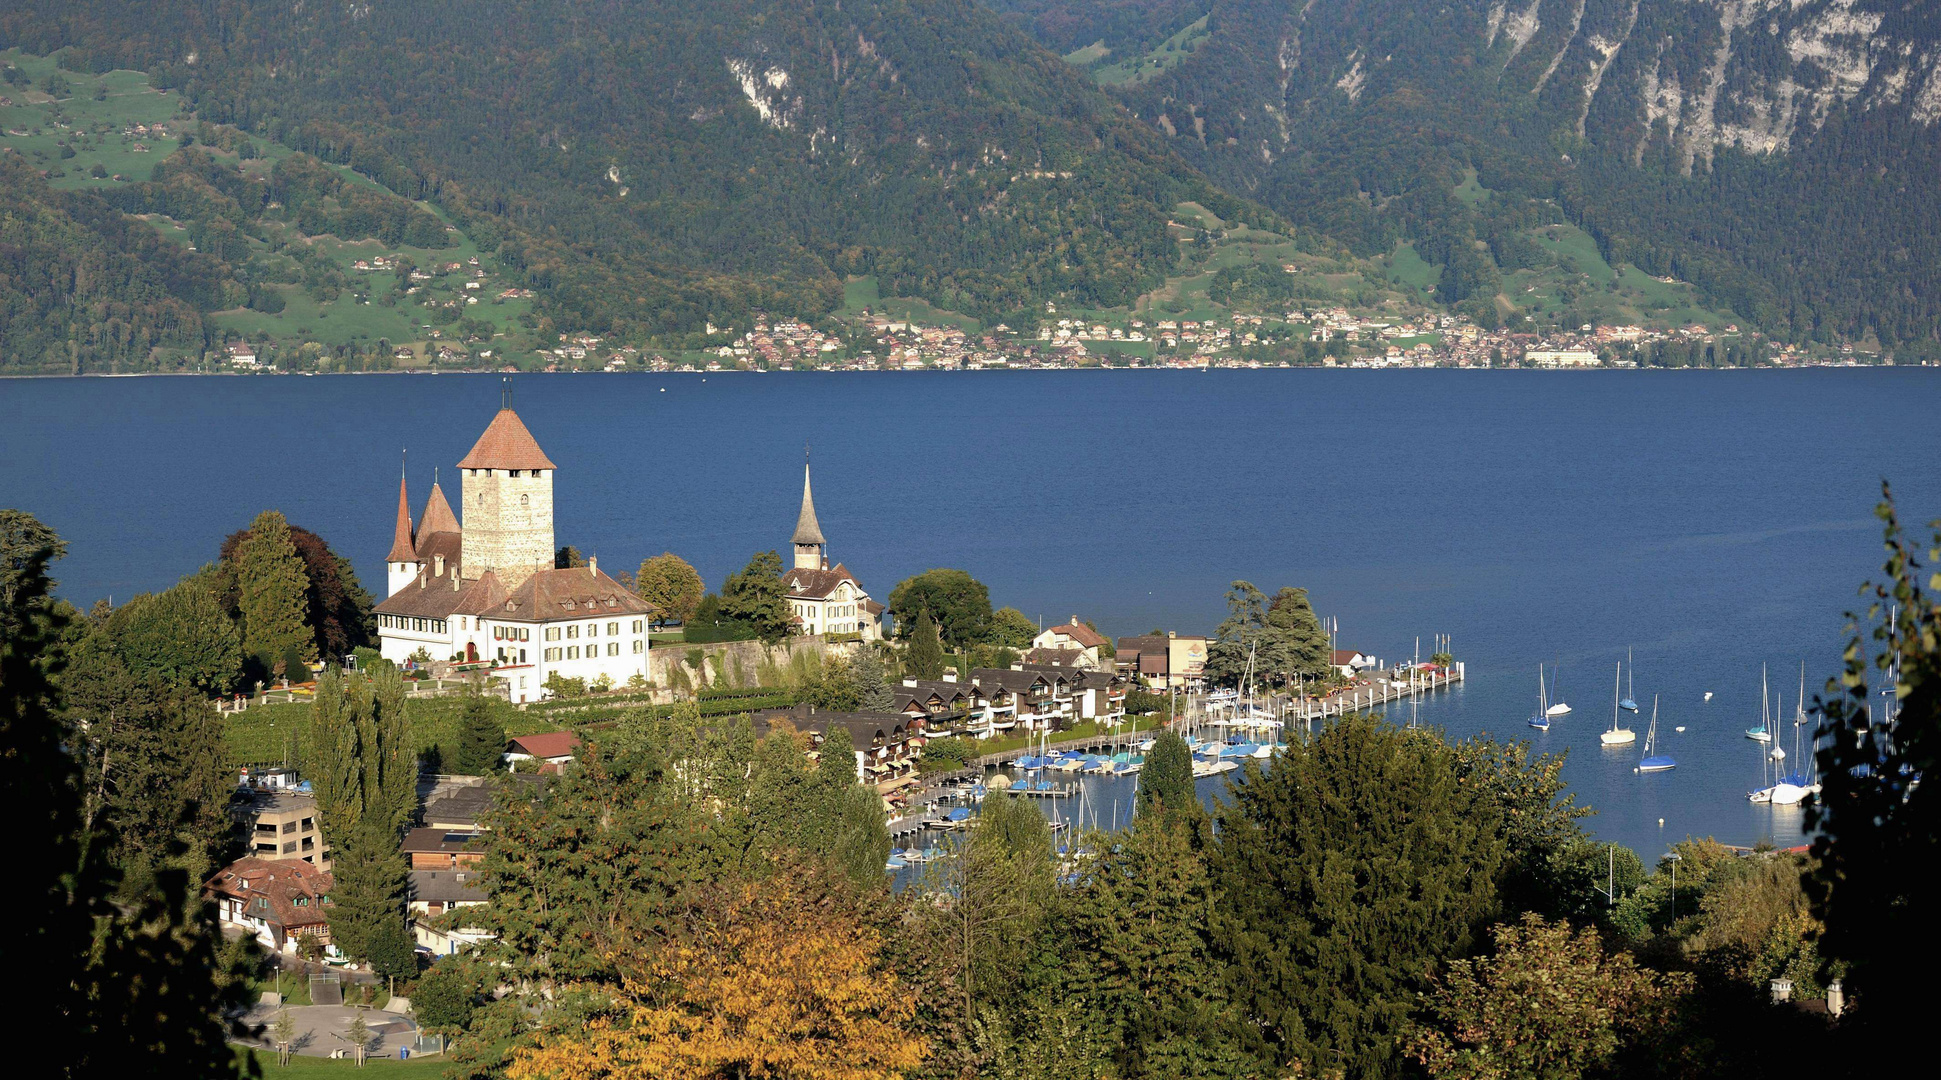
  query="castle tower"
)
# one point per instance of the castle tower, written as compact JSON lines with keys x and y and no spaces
{"x":401,"y":565}
{"x":506,"y":484}
{"x":810,"y":548}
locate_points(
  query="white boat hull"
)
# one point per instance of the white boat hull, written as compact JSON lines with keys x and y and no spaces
{"x":1559,"y":709}
{"x":1620,"y":737}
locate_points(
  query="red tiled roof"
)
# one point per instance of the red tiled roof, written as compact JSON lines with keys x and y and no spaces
{"x":818,"y":583}
{"x":548,"y":745}
{"x":438,"y":516}
{"x":506,"y":444}
{"x":571,"y":593}
{"x":1086,"y":637}
{"x":1344,"y":656}
{"x":403,"y":546}
{"x":282,"y":883}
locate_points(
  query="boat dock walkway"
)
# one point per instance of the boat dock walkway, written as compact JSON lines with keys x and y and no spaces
{"x":1364,"y":694}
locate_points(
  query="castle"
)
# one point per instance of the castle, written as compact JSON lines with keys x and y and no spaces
{"x":487,"y":591}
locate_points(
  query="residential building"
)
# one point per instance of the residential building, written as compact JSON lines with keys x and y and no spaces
{"x":552,"y":750}
{"x":441,"y":849}
{"x":457,"y":803}
{"x":1555,"y":358}
{"x":275,"y":901}
{"x":824,"y":599}
{"x":886,"y":745}
{"x":1074,"y":635}
{"x":486,"y":593}
{"x":1168,"y":662}
{"x":430,"y":894}
{"x":282,"y":826}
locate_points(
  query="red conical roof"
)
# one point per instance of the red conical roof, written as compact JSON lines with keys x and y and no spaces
{"x":403,"y":546}
{"x":506,"y":444}
{"x":438,"y":516}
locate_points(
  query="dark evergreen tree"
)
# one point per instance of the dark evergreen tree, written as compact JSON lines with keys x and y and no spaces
{"x":1166,"y":779}
{"x":925,"y":657}
{"x":365,"y":772}
{"x":481,"y":738}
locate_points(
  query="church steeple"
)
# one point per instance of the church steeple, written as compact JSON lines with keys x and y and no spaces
{"x":809,"y":543}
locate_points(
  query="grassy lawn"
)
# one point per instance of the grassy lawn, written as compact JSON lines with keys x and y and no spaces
{"x":37,"y":125}
{"x":1408,"y":268}
{"x":315,"y":1066}
{"x":1136,"y":69}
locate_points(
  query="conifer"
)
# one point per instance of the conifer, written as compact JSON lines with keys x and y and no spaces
{"x":270,"y":590}
{"x":926,"y":656}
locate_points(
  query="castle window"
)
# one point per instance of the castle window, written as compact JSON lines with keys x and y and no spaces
{"x":636,"y":626}
{"x":552,"y":654}
{"x":613,"y":648}
{"x":639,"y":646}
{"x":572,"y":632}
{"x":613,"y":628}
{"x":592,"y":629}
{"x":525,"y":500}
{"x":572,"y":652}
{"x":552,"y":633}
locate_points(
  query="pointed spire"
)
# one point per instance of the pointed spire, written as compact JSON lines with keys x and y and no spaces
{"x":403,"y":541}
{"x":807,"y":530}
{"x":438,"y":516}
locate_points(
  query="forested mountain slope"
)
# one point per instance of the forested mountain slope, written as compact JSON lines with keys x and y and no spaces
{"x":1783,"y":154}
{"x":652,"y":165}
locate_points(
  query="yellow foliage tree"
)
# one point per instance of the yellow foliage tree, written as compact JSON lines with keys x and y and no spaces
{"x":772,"y":986}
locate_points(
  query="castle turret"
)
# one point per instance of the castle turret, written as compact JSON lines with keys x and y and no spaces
{"x":810,"y":548}
{"x":507,"y":487}
{"x":401,"y":565}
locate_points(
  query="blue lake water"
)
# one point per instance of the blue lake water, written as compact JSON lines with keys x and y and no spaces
{"x":1714,"y":521}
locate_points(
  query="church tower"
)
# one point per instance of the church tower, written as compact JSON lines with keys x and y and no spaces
{"x":810,"y":548}
{"x":507,"y":488}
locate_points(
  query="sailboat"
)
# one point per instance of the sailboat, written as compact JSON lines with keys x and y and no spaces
{"x":1630,"y":701}
{"x":1762,"y":733}
{"x":1558,"y":709}
{"x":1541,"y":721}
{"x":1654,"y":762}
{"x":1617,"y":736}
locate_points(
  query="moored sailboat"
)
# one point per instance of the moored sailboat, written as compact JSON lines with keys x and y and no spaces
{"x":1654,"y":762}
{"x":1617,"y":735}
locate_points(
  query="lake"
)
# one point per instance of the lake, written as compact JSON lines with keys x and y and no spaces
{"x":1711,"y":521}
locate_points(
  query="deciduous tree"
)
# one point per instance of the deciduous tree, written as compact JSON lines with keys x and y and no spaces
{"x":756,"y":597}
{"x":668,"y":582}
{"x":959,"y":603}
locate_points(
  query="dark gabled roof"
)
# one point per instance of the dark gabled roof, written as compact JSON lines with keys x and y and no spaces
{"x":445,"y":887}
{"x":1143,"y":643}
{"x":863,"y":726}
{"x":818,"y":584}
{"x":459,"y":805}
{"x":506,"y":444}
{"x":570,"y":593}
{"x":1015,"y":681}
{"x":446,"y":841}
{"x":1066,"y":659}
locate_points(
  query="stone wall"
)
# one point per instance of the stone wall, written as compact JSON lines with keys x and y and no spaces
{"x":743,"y":661}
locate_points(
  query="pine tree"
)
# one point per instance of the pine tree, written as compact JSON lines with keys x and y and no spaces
{"x":1166,"y":779}
{"x":926,"y":655}
{"x":481,"y":738}
{"x":271,"y":589}
{"x":365,"y":772}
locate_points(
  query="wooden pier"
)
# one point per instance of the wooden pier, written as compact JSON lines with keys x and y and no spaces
{"x":1364,"y":695}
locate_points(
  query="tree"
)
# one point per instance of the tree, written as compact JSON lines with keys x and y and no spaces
{"x":1144,"y":915}
{"x":959,"y":603}
{"x":393,"y":952}
{"x":1547,"y":1003}
{"x":117,"y":985}
{"x":834,"y":686}
{"x":1010,"y":628}
{"x":1241,"y":638}
{"x":1875,"y":815}
{"x":873,"y":690}
{"x":1370,"y":860}
{"x":946,"y":754}
{"x":270,"y":590}
{"x":770,"y":982}
{"x":925,"y":658}
{"x":669,"y":583}
{"x":756,"y":597}
{"x":365,"y":772}
{"x":359,"y":1038}
{"x":23,"y":540}
{"x":568,"y":558}
{"x":182,"y":634}
{"x":1301,"y":645}
{"x":284,"y":1034}
{"x":336,"y":607}
{"x":481,"y":738}
{"x":1166,"y":783}
{"x":445,"y":999}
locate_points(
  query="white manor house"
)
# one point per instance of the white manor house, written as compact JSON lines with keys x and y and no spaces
{"x":487,"y":591}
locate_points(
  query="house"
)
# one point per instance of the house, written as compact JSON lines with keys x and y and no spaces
{"x":433,"y":893}
{"x":456,"y":804}
{"x":1095,"y":695}
{"x":824,"y":599}
{"x":281,"y":826}
{"x":554,"y":748}
{"x":1038,"y":699}
{"x":942,"y":704}
{"x":886,"y":745}
{"x":441,"y":849}
{"x":1165,"y":662}
{"x":276,"y":901}
{"x":1350,"y":663}
{"x":1074,"y":635}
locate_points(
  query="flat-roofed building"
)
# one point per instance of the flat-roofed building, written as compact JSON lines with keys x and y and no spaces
{"x":282,"y":825}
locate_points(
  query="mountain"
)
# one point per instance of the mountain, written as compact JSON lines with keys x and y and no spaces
{"x":1781,"y":154}
{"x":647,"y":167}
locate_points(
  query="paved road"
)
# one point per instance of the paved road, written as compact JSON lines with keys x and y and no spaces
{"x":324,"y":1028}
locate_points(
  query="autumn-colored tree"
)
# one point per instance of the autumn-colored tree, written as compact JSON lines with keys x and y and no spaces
{"x":1548,"y":1003}
{"x":670,"y":583}
{"x":772,"y":983}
